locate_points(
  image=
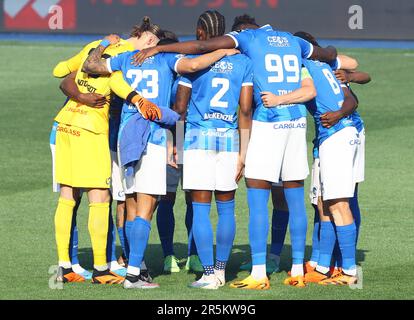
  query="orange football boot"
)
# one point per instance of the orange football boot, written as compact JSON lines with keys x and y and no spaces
{"x":66,"y":275}
{"x":106,"y":277}
{"x":316,"y":276}
{"x":340,"y":279}
{"x":298,"y":281}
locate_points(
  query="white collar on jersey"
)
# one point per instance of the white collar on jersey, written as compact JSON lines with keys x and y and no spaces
{"x":267,"y":27}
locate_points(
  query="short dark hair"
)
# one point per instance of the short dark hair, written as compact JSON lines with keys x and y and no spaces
{"x":169,"y":37}
{"x":243,"y":20}
{"x":308,"y":37}
{"x":145,"y":26}
{"x":213,"y":23}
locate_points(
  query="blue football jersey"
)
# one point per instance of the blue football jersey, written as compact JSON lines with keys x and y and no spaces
{"x":277,"y":58}
{"x":357,"y":120}
{"x":355,"y":116}
{"x":152,"y":80}
{"x":212,"y":122}
{"x":329,"y":98}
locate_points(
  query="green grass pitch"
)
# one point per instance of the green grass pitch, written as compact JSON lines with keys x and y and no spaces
{"x":30,"y":98}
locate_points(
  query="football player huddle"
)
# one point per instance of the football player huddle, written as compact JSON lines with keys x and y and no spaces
{"x":145,"y":113}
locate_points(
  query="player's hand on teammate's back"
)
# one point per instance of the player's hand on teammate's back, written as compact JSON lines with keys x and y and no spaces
{"x":140,"y":57}
{"x":269,"y":99}
{"x":148,"y":109}
{"x":330,"y":118}
{"x":230,"y":52}
{"x":240,"y":169}
{"x":113,"y":38}
{"x":93,"y":100}
{"x":172,"y":155}
{"x":342,"y":76}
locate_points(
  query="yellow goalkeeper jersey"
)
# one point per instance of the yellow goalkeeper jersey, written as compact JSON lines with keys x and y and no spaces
{"x":82,"y":116}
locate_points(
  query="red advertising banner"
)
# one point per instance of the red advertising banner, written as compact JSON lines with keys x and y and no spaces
{"x":340,"y":19}
{"x":39,"y":14}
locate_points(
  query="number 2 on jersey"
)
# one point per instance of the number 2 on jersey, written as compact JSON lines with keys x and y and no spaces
{"x":152,"y":82}
{"x":225,"y":86}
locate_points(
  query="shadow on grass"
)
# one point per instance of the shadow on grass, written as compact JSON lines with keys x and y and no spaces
{"x":240,"y":254}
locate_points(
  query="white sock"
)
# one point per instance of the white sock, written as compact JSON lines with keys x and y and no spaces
{"x":313,"y":264}
{"x":100,"y":268}
{"x":322,"y":269}
{"x":65,"y":264}
{"x":258,"y":271}
{"x":350,"y":272}
{"x":133,"y":270}
{"x":143,"y":265}
{"x":297,"y":270}
{"x":275,"y":258}
{"x":114,"y":265}
{"x":77,"y":268}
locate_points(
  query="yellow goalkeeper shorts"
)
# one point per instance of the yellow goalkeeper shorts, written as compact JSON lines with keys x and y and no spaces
{"x":82,"y":158}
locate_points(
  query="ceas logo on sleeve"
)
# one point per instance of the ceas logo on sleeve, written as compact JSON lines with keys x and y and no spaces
{"x":33,"y":15}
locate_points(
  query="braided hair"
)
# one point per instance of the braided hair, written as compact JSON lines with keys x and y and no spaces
{"x":213,"y":23}
{"x":147,"y":26}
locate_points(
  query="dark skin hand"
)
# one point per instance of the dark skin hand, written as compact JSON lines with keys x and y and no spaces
{"x":352,"y":76}
{"x":245,"y":126}
{"x":71,"y":90}
{"x":224,"y":42}
{"x":350,"y":104}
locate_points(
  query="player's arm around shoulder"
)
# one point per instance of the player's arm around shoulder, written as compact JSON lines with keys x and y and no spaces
{"x":65,"y":67}
{"x":94,"y":64}
{"x":191,"y":65}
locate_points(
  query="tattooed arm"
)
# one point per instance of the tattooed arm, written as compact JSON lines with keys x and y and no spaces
{"x":94,"y":64}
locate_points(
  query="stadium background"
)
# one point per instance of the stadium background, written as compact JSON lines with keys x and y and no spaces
{"x":29,"y":99}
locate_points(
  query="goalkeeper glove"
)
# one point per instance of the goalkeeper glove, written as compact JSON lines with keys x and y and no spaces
{"x":146,"y":108}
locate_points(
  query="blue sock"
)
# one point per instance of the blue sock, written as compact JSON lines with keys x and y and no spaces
{"x":298,"y":222}
{"x":226,"y":229}
{"x":280,"y":221}
{"x":128,"y":227}
{"x":121,"y":235}
{"x":139,"y":236}
{"x":73,"y":249}
{"x":258,"y":223}
{"x":111,"y":240}
{"x":203,"y":233}
{"x":192,"y":248}
{"x":74,"y":237}
{"x":166,"y":224}
{"x":326,"y":243}
{"x":354,"y":205}
{"x":347,"y":239}
{"x":337,"y":256}
{"x":315,"y":236}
